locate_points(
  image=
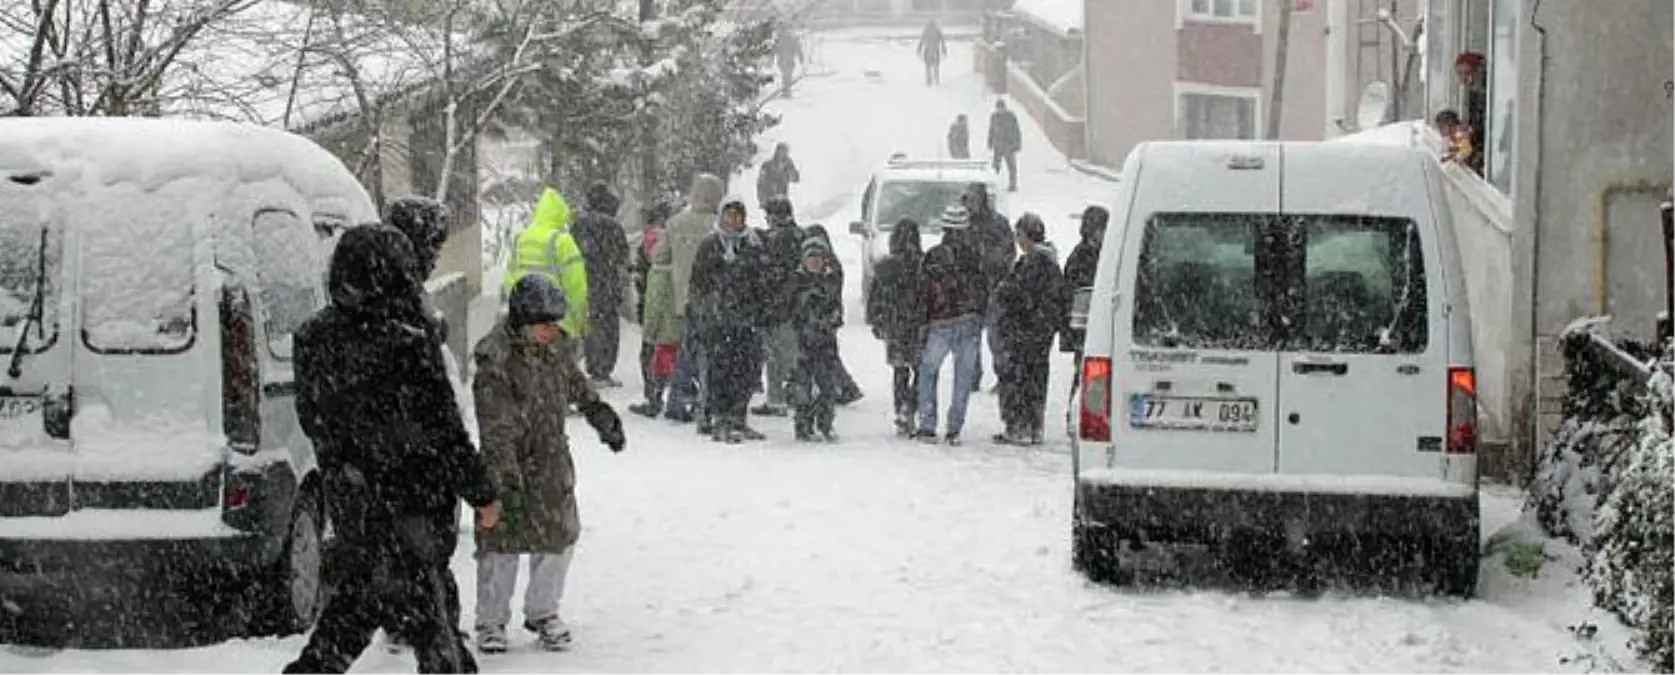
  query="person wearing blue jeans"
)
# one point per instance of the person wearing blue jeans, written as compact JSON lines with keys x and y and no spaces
{"x":961,"y":337}
{"x":953,"y":298}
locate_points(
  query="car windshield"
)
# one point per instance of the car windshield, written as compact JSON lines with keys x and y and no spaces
{"x":921,"y":200}
{"x":20,"y":278}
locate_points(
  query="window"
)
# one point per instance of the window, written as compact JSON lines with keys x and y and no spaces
{"x":22,"y":262}
{"x":923,"y":201}
{"x":1217,"y":116}
{"x":1197,"y":282}
{"x":287,"y":265}
{"x":137,"y":289}
{"x":1238,"y":10}
{"x":1503,"y":94}
{"x":1363,"y":286}
{"x":1262,"y":282}
{"x":240,"y":372}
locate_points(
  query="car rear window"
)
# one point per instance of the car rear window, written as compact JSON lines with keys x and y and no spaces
{"x":923,"y":201}
{"x":1197,"y":282}
{"x":1363,"y":286}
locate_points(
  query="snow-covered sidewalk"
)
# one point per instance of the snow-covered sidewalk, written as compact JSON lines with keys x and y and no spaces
{"x":877,"y":554}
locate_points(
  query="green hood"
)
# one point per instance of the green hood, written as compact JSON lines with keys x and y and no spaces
{"x":552,"y":213}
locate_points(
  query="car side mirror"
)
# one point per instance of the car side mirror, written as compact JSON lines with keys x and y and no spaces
{"x":858,"y":228}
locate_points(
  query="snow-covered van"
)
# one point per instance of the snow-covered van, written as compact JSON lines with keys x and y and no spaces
{"x":919,"y":189}
{"x":151,"y":275}
{"x":1279,"y":354}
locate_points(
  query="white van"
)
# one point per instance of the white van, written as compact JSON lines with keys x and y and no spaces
{"x":1278,"y":346}
{"x":151,"y":275}
{"x":919,"y":189}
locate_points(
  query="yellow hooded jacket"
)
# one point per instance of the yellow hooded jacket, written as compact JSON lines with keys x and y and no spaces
{"x":547,"y":248}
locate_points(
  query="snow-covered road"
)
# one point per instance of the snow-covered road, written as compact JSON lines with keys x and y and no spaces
{"x":877,"y":554}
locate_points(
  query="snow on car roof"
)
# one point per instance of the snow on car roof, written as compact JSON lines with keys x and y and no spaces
{"x":151,"y":152}
{"x":940,"y":171}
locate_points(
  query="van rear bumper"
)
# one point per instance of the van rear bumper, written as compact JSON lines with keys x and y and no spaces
{"x":1210,"y":515}
{"x":78,"y":571}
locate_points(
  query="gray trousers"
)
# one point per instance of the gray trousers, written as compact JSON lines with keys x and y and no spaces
{"x":497,"y":580}
{"x":781,"y":357}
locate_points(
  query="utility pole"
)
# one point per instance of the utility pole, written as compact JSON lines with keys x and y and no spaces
{"x":1282,"y":47}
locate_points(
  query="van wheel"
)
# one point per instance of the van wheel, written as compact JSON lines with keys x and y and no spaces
{"x":1093,"y":552}
{"x":294,"y":590}
{"x":1456,"y":569}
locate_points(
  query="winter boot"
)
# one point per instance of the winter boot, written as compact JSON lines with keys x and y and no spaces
{"x":745,"y":432}
{"x":829,"y":435}
{"x":707,"y":426}
{"x":604,"y":382}
{"x":550,"y":633}
{"x":904,"y":427}
{"x":647,"y":409}
{"x":491,"y":640}
{"x":951,"y":438}
{"x":925,"y":436}
{"x":678,"y":414}
{"x":1012,"y":437}
{"x":805,"y":432}
{"x":768,"y":410}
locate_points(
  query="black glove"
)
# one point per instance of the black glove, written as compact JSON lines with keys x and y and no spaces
{"x":604,"y":420}
{"x":878,"y":332}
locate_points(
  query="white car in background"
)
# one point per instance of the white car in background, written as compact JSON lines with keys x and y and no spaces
{"x":919,"y":189}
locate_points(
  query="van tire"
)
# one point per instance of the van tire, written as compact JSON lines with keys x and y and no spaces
{"x":1456,"y":570}
{"x":1093,"y":552}
{"x":293,"y":591}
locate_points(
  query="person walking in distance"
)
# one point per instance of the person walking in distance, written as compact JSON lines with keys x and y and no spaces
{"x":1030,"y":300}
{"x":896,"y":318}
{"x":953,"y":295}
{"x":959,"y":138}
{"x":775,"y":177}
{"x":788,"y":53}
{"x":728,"y":302}
{"x":525,"y":382}
{"x":687,"y":230}
{"x":1079,"y":270}
{"x":394,"y":455}
{"x":932,"y":48}
{"x":817,"y":313}
{"x":1005,"y":140}
{"x":784,"y":240}
{"x":604,"y":246}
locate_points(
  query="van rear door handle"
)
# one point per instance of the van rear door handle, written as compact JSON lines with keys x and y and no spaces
{"x":1308,"y":368}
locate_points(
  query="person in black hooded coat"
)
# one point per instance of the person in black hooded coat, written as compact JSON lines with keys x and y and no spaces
{"x":1079,"y":270}
{"x":373,"y":397}
{"x":1028,"y":300}
{"x":847,"y":390}
{"x":604,"y":246}
{"x":894,"y":313}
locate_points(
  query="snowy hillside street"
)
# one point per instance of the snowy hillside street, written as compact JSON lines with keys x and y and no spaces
{"x":878,"y":554}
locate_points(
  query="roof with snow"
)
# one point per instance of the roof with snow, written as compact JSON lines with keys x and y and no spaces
{"x":1063,"y":16}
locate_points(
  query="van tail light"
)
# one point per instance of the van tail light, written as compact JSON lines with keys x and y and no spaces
{"x":1462,"y":411}
{"x":1095,"y":423}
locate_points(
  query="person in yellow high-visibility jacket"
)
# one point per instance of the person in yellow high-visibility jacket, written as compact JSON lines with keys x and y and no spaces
{"x":547,"y":248}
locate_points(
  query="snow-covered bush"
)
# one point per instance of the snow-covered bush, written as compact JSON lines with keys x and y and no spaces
{"x":1607,"y":483}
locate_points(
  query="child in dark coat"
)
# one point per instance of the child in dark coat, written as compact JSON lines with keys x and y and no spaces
{"x":817,"y":312}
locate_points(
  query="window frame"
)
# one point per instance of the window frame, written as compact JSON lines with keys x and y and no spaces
{"x":1188,"y":12}
{"x":1186,"y":89}
{"x":52,"y":300}
{"x":192,"y":322}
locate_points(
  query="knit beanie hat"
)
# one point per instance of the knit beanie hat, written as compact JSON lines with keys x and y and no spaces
{"x":955,"y":217}
{"x":533,"y":301}
{"x":813,"y":246}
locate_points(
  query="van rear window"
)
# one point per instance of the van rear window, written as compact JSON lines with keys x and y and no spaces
{"x":1302,"y":283}
{"x":1197,"y":282}
{"x":136,"y":281}
{"x":1363,"y":286}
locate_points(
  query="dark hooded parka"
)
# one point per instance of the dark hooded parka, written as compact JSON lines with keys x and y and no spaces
{"x":1079,"y":270}
{"x":373,"y":397}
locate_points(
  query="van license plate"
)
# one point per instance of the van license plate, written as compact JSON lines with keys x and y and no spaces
{"x":18,"y":407}
{"x":1191,"y":413}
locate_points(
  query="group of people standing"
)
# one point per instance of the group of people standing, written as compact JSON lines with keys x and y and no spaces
{"x":379,"y":398}
{"x":742,"y":310}
{"x":985,"y":275}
